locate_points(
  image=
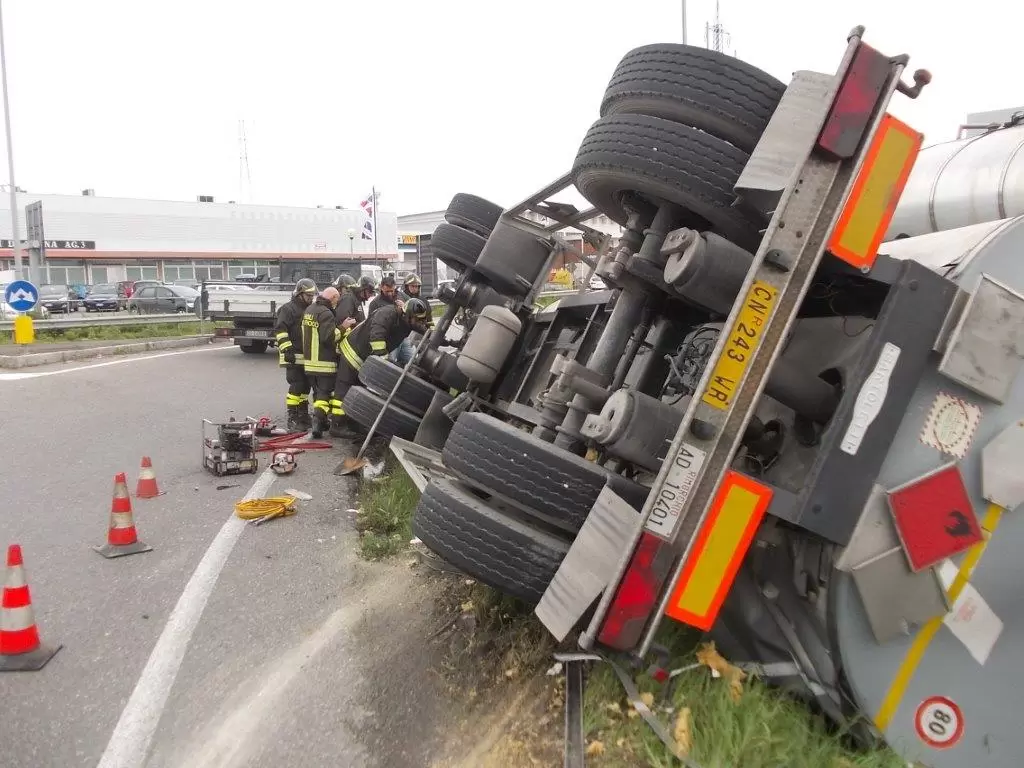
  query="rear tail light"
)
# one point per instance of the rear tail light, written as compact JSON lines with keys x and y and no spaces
{"x":855,"y":103}
{"x":638,"y":593}
{"x":707,"y":575}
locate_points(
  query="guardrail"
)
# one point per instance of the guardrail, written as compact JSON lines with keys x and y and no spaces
{"x":118,"y":319}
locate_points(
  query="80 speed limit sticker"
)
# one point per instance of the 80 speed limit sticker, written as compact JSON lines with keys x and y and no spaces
{"x":939,"y":722}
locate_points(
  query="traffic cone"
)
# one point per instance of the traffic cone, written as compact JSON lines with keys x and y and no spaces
{"x":121,"y":537}
{"x":20,"y":648}
{"x":146,"y":488}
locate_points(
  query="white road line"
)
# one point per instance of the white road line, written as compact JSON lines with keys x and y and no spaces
{"x":120,"y":361}
{"x":129,"y":744}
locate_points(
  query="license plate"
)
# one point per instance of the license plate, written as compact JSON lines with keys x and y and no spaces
{"x":741,"y":345}
{"x":679,"y":481}
{"x":258,"y":334}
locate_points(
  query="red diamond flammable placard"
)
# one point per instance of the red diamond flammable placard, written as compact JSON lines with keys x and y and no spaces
{"x":934,"y":517}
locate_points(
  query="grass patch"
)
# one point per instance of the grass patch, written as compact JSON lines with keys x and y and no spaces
{"x":763,"y":729}
{"x":121,"y":332}
{"x":386,"y":505}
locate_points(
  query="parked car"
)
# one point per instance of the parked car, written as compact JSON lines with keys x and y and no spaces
{"x":59,"y":298}
{"x":163,"y":299}
{"x":106,"y":297}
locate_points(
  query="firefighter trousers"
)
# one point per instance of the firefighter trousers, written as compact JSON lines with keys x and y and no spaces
{"x":298,"y":385}
{"x":347,"y":378}
{"x":323,"y":391}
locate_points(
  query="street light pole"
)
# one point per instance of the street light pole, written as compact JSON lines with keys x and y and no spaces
{"x":351,"y":240}
{"x":15,"y":239}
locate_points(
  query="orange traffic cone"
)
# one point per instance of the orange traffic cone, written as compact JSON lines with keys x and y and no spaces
{"x":20,"y":648}
{"x":146,"y":488}
{"x":121,"y":537}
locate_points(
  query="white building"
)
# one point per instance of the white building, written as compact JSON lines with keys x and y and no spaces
{"x":91,"y":239}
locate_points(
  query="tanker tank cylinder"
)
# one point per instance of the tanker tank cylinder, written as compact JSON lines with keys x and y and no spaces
{"x":489,"y":344}
{"x":635,"y":427}
{"x":705,"y":269}
{"x":959,"y":183}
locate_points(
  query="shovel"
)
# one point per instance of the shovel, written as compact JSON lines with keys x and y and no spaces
{"x":352,"y":464}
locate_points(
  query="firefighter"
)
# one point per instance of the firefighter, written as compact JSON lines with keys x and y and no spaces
{"x":410,"y":290}
{"x":320,"y":337}
{"x":355,"y":294}
{"x":288,"y":332}
{"x":378,"y":335}
{"x":388,"y":295}
{"x":410,"y":287}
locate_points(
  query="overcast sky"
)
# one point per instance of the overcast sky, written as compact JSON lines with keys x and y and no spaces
{"x":422,"y":98}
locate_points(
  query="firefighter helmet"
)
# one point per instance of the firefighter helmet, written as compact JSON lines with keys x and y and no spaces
{"x":411,"y":279}
{"x":417,"y":310}
{"x":343,"y":281}
{"x":366,"y":283}
{"x":305,"y":286}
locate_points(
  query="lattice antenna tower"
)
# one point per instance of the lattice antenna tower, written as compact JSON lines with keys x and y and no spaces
{"x":716,"y":37}
{"x":244,"y":174}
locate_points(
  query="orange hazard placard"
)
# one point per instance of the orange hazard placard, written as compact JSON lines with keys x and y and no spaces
{"x":721,"y":545}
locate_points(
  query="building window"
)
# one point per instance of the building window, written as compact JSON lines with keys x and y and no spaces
{"x":66,"y":275}
{"x":142,"y":272}
{"x":99,"y":275}
{"x":174,"y":272}
{"x":208,"y":270}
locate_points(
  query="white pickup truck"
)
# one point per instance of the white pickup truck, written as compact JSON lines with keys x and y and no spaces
{"x":250,"y":307}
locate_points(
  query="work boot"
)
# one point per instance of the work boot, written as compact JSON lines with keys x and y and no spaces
{"x":343,"y":427}
{"x":305,"y":420}
{"x":320,"y":424}
{"x":295,"y":421}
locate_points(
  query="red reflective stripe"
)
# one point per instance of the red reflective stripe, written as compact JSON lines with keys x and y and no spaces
{"x":16,"y":597}
{"x":14,"y":555}
{"x":118,"y":537}
{"x":19,"y":641}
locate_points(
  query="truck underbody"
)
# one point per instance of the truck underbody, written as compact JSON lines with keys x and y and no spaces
{"x":773,"y":427}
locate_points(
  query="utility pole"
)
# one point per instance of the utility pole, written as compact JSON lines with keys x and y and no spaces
{"x":684,"y":22}
{"x":15,"y":238}
{"x":715,"y":35}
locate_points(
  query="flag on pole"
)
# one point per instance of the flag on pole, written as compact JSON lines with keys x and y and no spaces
{"x":369,"y":204}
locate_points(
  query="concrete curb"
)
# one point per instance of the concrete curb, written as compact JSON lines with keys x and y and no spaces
{"x":114,"y":350}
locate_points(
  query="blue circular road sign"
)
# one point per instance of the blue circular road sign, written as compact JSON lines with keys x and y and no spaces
{"x":21,"y":295}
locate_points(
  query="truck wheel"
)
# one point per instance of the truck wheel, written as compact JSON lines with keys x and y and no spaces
{"x":455,"y":246}
{"x":490,"y":545}
{"x":255,"y":347}
{"x":362,"y":406}
{"x":658,"y":160}
{"x":473,"y":213}
{"x":544,"y":481}
{"x":705,"y":89}
{"x":379,"y":376}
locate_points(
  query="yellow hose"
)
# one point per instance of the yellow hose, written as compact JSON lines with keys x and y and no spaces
{"x":275,"y":506}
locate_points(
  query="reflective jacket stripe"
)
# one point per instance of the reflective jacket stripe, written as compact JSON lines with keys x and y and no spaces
{"x":378,"y":347}
{"x":350,"y":354}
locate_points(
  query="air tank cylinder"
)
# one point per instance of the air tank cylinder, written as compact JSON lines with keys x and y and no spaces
{"x":489,"y":344}
{"x":635,"y":427}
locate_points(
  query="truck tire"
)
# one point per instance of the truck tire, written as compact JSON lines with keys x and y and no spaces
{"x":379,"y":376}
{"x":473,"y":213}
{"x":255,"y":347}
{"x":546,"y":482}
{"x":455,"y":246}
{"x":705,"y":89}
{"x":492,"y":546}
{"x":362,"y":406}
{"x":659,"y":160}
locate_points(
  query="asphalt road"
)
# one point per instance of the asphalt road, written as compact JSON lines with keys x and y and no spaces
{"x":227,"y":645}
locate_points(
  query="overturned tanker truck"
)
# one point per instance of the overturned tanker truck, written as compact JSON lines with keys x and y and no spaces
{"x":774,"y":426}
